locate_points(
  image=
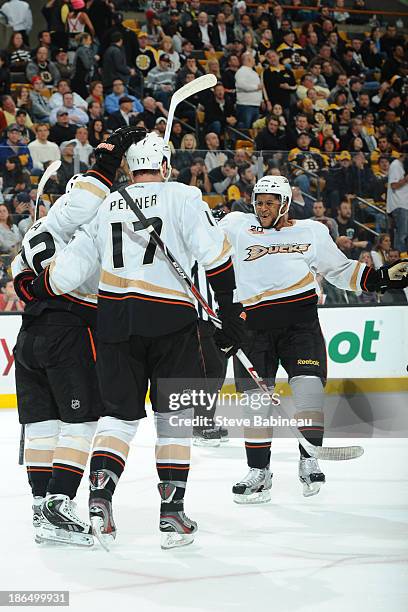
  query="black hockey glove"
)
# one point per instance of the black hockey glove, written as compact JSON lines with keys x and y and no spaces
{"x":23,"y":286}
{"x":387,"y":277}
{"x":232,"y":334}
{"x":109,"y":154}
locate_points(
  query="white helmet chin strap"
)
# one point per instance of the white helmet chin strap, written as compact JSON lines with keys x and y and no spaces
{"x":283,"y":209}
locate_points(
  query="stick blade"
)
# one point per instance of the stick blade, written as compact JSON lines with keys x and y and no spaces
{"x":338,"y":453}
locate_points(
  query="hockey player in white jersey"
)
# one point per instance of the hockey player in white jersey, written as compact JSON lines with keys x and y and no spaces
{"x":276,"y":261}
{"x":57,"y":389}
{"x":147,"y":325}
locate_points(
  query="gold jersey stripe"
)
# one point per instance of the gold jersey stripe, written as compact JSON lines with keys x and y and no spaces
{"x":309,"y":278}
{"x":124,"y":283}
{"x":100,"y":193}
{"x":64,"y":453}
{"x":226,"y":247}
{"x":353,"y":280}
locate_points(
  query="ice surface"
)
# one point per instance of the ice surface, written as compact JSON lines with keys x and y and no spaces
{"x":343,"y":550}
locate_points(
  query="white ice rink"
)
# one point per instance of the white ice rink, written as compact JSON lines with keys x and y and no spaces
{"x":345,"y":550}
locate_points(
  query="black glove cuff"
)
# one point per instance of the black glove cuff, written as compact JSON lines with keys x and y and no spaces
{"x":41,"y":287}
{"x":224,"y":299}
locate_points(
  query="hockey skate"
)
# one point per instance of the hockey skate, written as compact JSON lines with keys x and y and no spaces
{"x":37,"y":516}
{"x":224,"y":434}
{"x":210,"y":437}
{"x":311,"y":476}
{"x":255,"y":488}
{"x":175,"y":526}
{"x":100,"y":509}
{"x":60,"y":524}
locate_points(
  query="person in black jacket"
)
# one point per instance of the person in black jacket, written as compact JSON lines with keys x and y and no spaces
{"x":271,"y":138}
{"x":222,"y":33}
{"x":62,"y":130}
{"x":219,"y":110}
{"x":114,"y":63}
{"x":124,"y":116}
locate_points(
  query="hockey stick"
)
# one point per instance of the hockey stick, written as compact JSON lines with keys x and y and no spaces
{"x":203,"y":82}
{"x":340,"y":453}
{"x":50,"y":170}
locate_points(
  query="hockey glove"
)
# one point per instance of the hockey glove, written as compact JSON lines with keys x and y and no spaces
{"x":232,"y":335}
{"x":109,"y":154}
{"x":388,"y":277}
{"x":23,"y":286}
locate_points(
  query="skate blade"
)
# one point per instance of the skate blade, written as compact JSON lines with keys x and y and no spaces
{"x":311,"y":489}
{"x":105,"y":539}
{"x":261,"y":497}
{"x":206,"y":443}
{"x":55,"y":536}
{"x":173,"y":539}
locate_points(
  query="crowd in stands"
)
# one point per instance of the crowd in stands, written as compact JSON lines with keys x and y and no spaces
{"x":312,"y":90}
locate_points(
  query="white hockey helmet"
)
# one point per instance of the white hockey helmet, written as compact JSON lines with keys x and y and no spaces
{"x":149,"y":154}
{"x":277,"y":185}
{"x":71,"y":183}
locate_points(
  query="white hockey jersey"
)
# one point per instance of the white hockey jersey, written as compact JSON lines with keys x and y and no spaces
{"x":276,"y":270}
{"x":139,"y":293}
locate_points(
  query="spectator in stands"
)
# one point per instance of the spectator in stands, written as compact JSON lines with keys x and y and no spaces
{"x":4,"y":74}
{"x":307,"y":159}
{"x":396,"y":296}
{"x":301,"y":206}
{"x":391,"y":39}
{"x":9,"y":300}
{"x":114,"y":62}
{"x":152,"y":111}
{"x":243,"y":204}
{"x":18,"y":53}
{"x":76,"y":22}
{"x":40,"y":108}
{"x":9,"y":234}
{"x":95,"y":93}
{"x":96,"y":130}
{"x":83,"y":69}
{"x":279,"y":82}
{"x":247,"y":177}
{"x":118,"y":92}
{"x":301,"y":126}
{"x":145,"y":58}
{"x":161,"y":80}
{"x":219,"y":110}
{"x":176,"y":134}
{"x":224,"y":176}
{"x":15,"y":178}
{"x":383,"y":149}
{"x":75,"y":114}
{"x":57,"y":100}
{"x":68,"y":166}
{"x":185,"y":156}
{"x":126,"y":115}
{"x":190,"y":67}
{"x":43,"y":151}
{"x":10,"y":111}
{"x":26,"y":223}
{"x":153,"y":28}
{"x":222,"y":34}
{"x":196,"y":175}
{"x":271,"y":137}
{"x":62,"y":130}
{"x":397,"y":199}
{"x":214,"y":157}
{"x":319,"y":214}
{"x":83,"y":148}
{"x":63,"y":64}
{"x":249,"y":92}
{"x":381,"y":250}
{"x":167,"y":47}
{"x":228,"y":75}
{"x":363,"y":181}
{"x":95,"y":111}
{"x":11,"y":146}
{"x":21,"y":119}
{"x":19,"y":17}
{"x":347,"y":227}
{"x":43,"y":67}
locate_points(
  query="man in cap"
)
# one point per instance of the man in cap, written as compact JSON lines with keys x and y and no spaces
{"x":126,"y":115}
{"x":40,"y":106}
{"x":12,"y":145}
{"x":62,"y":130}
{"x":69,"y":165}
{"x":160,"y":126}
{"x":145,"y":59}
